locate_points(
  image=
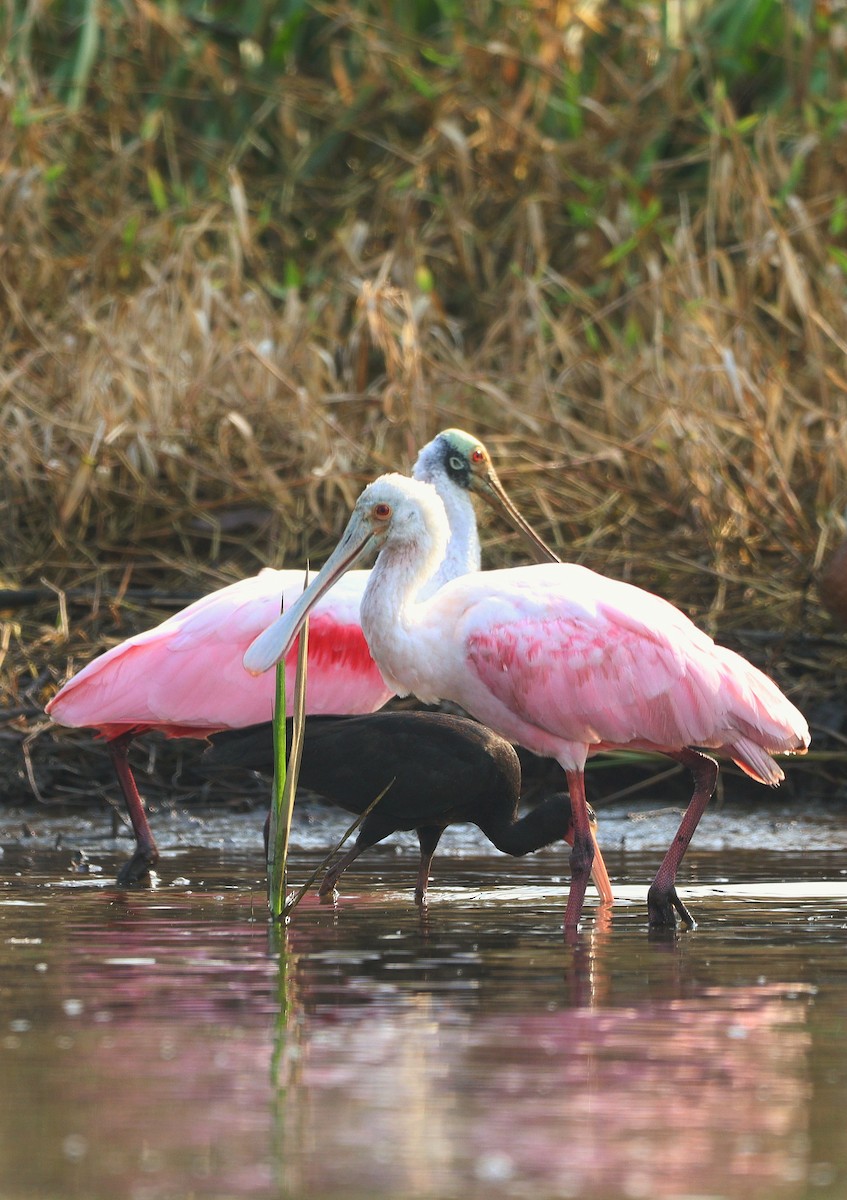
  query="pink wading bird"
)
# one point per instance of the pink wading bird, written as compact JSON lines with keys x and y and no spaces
{"x":557,"y":658}
{"x":185,"y":677}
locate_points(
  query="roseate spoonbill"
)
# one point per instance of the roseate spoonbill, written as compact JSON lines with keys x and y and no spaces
{"x":185,"y":678}
{"x":557,"y":658}
{"x":443,"y":770}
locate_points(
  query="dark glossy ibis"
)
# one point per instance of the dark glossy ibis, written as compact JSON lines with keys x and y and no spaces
{"x":445,"y":770}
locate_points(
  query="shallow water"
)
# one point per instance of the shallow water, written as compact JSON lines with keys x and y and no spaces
{"x":165,"y":1043}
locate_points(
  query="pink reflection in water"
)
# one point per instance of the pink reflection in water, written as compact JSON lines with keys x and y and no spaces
{"x":161,"y":1080}
{"x":703,"y":1096}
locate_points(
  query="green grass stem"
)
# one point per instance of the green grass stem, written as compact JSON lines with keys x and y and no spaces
{"x":286,"y":774}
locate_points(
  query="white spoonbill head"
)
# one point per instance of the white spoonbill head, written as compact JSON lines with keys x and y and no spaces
{"x":464,"y":460}
{"x":395,"y":510}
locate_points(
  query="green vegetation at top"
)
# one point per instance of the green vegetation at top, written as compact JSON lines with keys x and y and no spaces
{"x":326,"y":109}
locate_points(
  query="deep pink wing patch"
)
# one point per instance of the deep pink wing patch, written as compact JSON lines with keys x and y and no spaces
{"x":598,"y":679}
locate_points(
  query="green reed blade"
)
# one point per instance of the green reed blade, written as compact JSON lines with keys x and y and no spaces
{"x":285,"y":777}
{"x":277,"y":830}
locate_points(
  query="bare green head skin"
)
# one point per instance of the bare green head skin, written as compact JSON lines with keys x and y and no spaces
{"x":468,"y":462}
{"x":449,"y":475}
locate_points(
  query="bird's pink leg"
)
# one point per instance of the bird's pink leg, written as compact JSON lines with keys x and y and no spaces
{"x":662,"y":898}
{"x":582,"y":854}
{"x":146,"y":852}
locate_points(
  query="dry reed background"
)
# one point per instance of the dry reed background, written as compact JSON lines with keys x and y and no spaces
{"x":249,"y":261}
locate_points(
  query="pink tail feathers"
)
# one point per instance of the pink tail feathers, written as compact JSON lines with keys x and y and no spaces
{"x":766,"y":720}
{"x":756,"y":762}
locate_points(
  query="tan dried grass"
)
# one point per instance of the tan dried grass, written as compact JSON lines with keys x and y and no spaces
{"x":662,"y":383}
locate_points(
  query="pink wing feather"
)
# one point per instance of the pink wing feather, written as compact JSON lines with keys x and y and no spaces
{"x":625,"y":668}
{"x":185,"y":676}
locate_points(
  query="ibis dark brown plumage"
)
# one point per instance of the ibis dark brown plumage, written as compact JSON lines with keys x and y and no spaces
{"x":442,"y":770}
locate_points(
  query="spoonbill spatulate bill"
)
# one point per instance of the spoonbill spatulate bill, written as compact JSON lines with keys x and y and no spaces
{"x":185,"y":677}
{"x":439,"y":770}
{"x":554,"y":657}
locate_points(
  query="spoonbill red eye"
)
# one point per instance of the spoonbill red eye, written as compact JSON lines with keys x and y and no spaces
{"x":382,"y":511}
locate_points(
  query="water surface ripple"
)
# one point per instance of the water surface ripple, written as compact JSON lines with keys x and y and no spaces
{"x":165,"y":1043}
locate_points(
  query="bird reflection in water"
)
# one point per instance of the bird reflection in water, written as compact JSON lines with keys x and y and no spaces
{"x":702,"y":1095}
{"x":481,"y":1059}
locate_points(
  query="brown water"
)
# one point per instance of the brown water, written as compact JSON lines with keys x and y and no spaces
{"x":166,"y":1043}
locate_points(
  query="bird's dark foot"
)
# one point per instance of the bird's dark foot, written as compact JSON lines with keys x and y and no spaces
{"x":80,"y":863}
{"x":138,"y":867}
{"x":420,"y":897}
{"x":328,"y":887}
{"x":660,"y":909}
